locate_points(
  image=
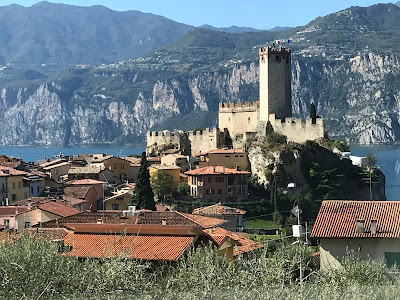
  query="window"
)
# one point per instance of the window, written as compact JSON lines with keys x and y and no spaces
{"x":14,"y":197}
{"x":209,"y":191}
{"x":219,"y":191}
{"x":122,"y":167}
{"x":115,"y":167}
{"x":19,"y":184}
{"x":219,"y":179}
{"x":115,"y":206}
{"x":227,"y":156}
{"x":6,"y":223}
{"x":37,"y":189}
{"x":248,"y":120}
{"x":13,"y":185}
{"x":209,"y":179}
{"x":31,"y":190}
{"x":27,"y":224}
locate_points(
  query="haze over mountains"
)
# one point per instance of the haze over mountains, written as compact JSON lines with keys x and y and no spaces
{"x":347,"y":63}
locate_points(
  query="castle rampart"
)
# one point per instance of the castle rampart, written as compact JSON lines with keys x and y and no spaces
{"x":297,"y":130}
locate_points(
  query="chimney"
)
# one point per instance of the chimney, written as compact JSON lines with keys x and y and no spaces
{"x":360,"y":226}
{"x":214,"y":168}
{"x":29,"y":204}
{"x":164,"y":222}
{"x":99,"y":221}
{"x":237,"y":168}
{"x":373,"y":227}
{"x":223,"y":169}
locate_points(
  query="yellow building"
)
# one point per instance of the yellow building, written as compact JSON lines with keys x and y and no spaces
{"x":119,"y":166}
{"x":15,"y":187}
{"x":120,"y":200}
{"x":230,"y":158}
{"x":174,"y":171}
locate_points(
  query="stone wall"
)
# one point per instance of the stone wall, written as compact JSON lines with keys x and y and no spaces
{"x":296,"y":130}
{"x":204,"y":141}
{"x":238,"y":117}
{"x":159,"y":141}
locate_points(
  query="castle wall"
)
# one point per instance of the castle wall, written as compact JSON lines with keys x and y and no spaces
{"x":275,"y":82}
{"x":298,"y":131}
{"x":238,"y":117}
{"x":204,"y":141}
{"x":159,"y":141}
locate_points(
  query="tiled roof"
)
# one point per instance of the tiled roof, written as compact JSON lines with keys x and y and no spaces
{"x":135,"y":161}
{"x":218,"y":209}
{"x":56,"y":166}
{"x":84,"y":182}
{"x":52,"y":162}
{"x":77,"y":191}
{"x":164,"y":167}
{"x":245,"y":245}
{"x":7,"y":171}
{"x":204,"y":222}
{"x":58,"y":209}
{"x":162,"y":208}
{"x":85,"y":170}
{"x":168,"y":248}
{"x":12,"y":210}
{"x":338,"y":219}
{"x":84,"y":217}
{"x":214,"y":170}
{"x":48,"y":233}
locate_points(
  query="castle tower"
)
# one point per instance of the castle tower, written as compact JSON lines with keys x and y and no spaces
{"x":275,"y":83}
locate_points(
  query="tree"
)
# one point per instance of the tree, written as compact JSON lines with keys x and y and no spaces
{"x":161,"y":183}
{"x":143,"y":195}
{"x":183,"y":188}
{"x":370,"y":160}
{"x":313,"y":113}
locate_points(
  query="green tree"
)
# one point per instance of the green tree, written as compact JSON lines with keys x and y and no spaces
{"x":313,"y":113}
{"x":370,"y":160}
{"x":161,"y":183}
{"x":183,"y":188}
{"x":143,"y":195}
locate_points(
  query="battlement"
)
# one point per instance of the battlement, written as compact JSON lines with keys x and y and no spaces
{"x":165,"y":133}
{"x":297,"y":122}
{"x":273,"y":50}
{"x":205,"y":131}
{"x":229,"y":107}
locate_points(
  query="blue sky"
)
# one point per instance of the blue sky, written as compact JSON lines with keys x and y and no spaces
{"x":261,"y":14}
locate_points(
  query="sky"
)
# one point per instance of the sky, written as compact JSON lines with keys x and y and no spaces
{"x":260,"y":14}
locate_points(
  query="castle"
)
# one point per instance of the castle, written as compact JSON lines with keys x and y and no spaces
{"x":242,"y":122}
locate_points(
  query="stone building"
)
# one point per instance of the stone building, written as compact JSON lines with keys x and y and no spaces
{"x":241,"y":122}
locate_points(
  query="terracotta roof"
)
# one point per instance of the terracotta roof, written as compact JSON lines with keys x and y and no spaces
{"x":12,"y":210}
{"x":85,"y":170}
{"x":57,"y":209}
{"x":48,"y":233}
{"x":204,"y":222}
{"x":84,"y":182}
{"x":84,"y":217}
{"x":7,"y":171}
{"x":168,"y":248}
{"x":135,"y":161}
{"x":245,"y":245}
{"x":52,"y":162}
{"x":77,"y":191}
{"x":218,"y":209}
{"x":154,"y":159}
{"x":214,"y":170}
{"x":162,"y":208}
{"x":338,"y":219}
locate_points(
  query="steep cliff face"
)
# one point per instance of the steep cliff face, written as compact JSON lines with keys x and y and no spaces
{"x":315,"y":170}
{"x":359,"y":98}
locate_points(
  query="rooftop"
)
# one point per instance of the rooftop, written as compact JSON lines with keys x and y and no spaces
{"x":85,"y":170}
{"x":222,"y":151}
{"x":84,"y":182}
{"x":338,"y":219}
{"x":57,"y":209}
{"x":12,"y":210}
{"x":215,"y":170}
{"x":165,"y":167}
{"x":218,"y":209}
{"x":56,"y":165}
{"x":7,"y":171}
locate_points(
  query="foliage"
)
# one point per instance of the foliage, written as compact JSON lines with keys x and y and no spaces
{"x":161,"y":182}
{"x":183,"y":188}
{"x":260,"y":223}
{"x":199,"y":129}
{"x":342,"y":146}
{"x":370,"y":160}
{"x":276,"y":138}
{"x":313,"y":113}
{"x":143,"y":194}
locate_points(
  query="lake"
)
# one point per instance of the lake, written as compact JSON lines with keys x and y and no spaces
{"x":388,"y":158}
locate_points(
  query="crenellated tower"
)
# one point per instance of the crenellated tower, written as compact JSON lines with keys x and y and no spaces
{"x":275,"y":82}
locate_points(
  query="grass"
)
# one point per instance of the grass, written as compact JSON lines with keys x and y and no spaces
{"x":259,"y":223}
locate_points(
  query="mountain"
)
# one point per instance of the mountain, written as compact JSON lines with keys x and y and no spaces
{"x":50,"y":33}
{"x":347,"y":63}
{"x":231,"y":29}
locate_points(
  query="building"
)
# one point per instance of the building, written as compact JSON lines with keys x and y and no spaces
{"x":95,"y":173}
{"x":121,"y":198}
{"x":58,"y":170}
{"x":230,"y":158}
{"x":233,"y":216}
{"x":370,"y":229}
{"x":241,"y":122}
{"x":218,"y":184}
{"x":178,"y":160}
{"x":13,"y":185}
{"x":43,"y":212}
{"x":119,"y":166}
{"x":36,"y":184}
{"x":174,"y":171}
{"x":134,"y":167}
{"x":8,"y":213}
{"x":87,"y":189}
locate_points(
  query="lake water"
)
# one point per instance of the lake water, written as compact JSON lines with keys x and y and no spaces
{"x":388,"y":158}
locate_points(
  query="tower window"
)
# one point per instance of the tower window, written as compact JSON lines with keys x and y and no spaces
{"x":248,"y":120}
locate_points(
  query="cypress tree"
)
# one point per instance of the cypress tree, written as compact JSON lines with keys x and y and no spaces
{"x":143,"y":195}
{"x":313,"y":113}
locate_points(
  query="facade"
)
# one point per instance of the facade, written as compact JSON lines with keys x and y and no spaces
{"x":230,"y":158}
{"x":174,"y":171}
{"x":15,"y":186}
{"x":178,"y":160}
{"x":8,"y":213}
{"x":218,"y":184}
{"x":56,"y":171}
{"x":96,"y":173}
{"x":370,"y":229}
{"x":242,"y":122}
{"x":233,"y":216}
{"x":87,"y":189}
{"x":120,"y":200}
{"x":120,"y":167}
